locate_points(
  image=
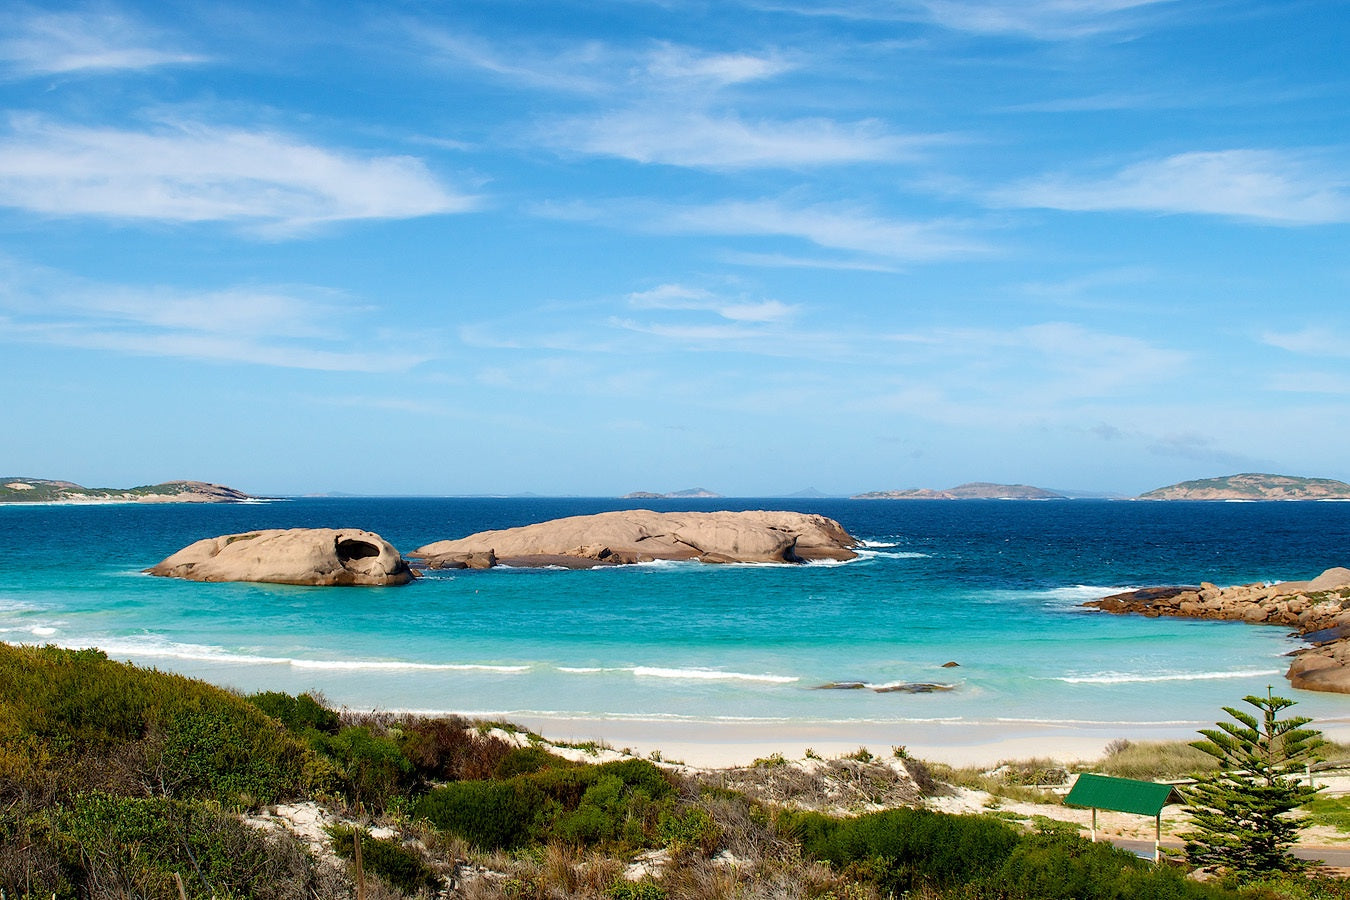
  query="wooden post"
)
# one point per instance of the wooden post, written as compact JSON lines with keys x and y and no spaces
{"x":360,"y":869}
{"x":1157,"y":838}
{"x":182,"y":891}
{"x":1094,"y":824}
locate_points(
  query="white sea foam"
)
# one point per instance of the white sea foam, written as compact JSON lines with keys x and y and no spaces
{"x":1142,"y":678}
{"x":42,"y":630}
{"x":159,"y":648}
{"x":709,"y":675}
{"x":873,"y":545}
{"x":1074,"y":595}
{"x":867,"y":553}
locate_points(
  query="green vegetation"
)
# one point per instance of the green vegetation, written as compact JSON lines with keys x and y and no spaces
{"x":905,"y":851}
{"x":1241,"y":813}
{"x":117,"y":781}
{"x":400,"y":866}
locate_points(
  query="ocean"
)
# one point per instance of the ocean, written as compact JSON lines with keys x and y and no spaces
{"x":994,"y":586}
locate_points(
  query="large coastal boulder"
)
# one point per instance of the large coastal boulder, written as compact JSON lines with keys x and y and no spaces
{"x":631,"y":536}
{"x":311,"y":556}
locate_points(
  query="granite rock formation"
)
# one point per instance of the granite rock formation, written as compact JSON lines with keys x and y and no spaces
{"x":309,"y":556}
{"x":632,"y":536}
{"x":1319,"y":610}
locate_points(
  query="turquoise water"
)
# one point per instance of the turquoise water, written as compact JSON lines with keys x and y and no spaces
{"x":993,"y":586}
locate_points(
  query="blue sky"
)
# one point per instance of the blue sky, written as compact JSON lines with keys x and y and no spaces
{"x":594,"y":247}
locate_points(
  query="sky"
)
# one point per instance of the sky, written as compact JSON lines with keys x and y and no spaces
{"x":613,"y":245}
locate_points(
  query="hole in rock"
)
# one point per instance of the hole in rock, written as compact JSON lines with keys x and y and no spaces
{"x":353,"y":549}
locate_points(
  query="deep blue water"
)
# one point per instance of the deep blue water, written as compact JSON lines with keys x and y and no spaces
{"x":994,"y":586}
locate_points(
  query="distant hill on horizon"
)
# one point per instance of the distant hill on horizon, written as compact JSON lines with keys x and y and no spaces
{"x":974,"y":490}
{"x":1252,"y":486}
{"x":46,"y":490}
{"x":687,"y":494}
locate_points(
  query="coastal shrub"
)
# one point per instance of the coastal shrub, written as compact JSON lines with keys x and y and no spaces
{"x":616,"y":803}
{"x":1063,"y":867}
{"x":449,"y":749}
{"x":401,"y":866}
{"x":948,"y":855}
{"x":694,"y":830}
{"x":102,"y":845}
{"x":299,"y":714}
{"x":491,"y":815}
{"x":526,"y":760}
{"x":73,"y":719}
{"x":371,"y":767}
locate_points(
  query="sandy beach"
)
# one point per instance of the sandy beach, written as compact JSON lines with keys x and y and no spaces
{"x":722,"y":745}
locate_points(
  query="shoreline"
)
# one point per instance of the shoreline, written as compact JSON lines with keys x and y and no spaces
{"x":721,"y":745}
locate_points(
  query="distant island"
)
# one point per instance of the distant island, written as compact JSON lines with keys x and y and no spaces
{"x":44,"y":490}
{"x":1253,"y":486}
{"x":974,"y":490}
{"x":688,"y":494}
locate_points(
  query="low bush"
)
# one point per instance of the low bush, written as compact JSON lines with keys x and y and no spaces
{"x":299,"y":714}
{"x":99,"y":845}
{"x":947,"y":855}
{"x":401,"y":867}
{"x":614,"y":804}
{"x":526,"y":760}
{"x":74,"y":720}
{"x":371,"y":767}
{"x":492,"y":815}
{"x":448,"y":749}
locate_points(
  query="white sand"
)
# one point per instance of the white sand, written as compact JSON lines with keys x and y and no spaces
{"x":717,"y":745}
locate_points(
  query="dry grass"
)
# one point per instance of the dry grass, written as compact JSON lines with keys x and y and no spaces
{"x":1153,"y":760}
{"x":849,"y":784}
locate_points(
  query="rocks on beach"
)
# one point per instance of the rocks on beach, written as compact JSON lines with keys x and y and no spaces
{"x":633,"y":536}
{"x":306,"y":556}
{"x":1319,"y":610}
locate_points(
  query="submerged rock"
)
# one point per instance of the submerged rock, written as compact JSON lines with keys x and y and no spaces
{"x":308,"y":556}
{"x":632,"y":536}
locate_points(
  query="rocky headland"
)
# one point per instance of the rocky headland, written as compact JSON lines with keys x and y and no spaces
{"x":686,"y":494}
{"x":975,"y":490}
{"x":1319,"y":610}
{"x":633,"y":536}
{"x":45,"y":490}
{"x":1253,"y":486}
{"x":307,"y":556}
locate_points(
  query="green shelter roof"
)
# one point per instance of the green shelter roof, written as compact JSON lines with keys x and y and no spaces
{"x":1144,"y":798}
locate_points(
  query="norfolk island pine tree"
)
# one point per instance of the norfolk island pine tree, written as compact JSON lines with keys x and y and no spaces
{"x":1240,"y":812}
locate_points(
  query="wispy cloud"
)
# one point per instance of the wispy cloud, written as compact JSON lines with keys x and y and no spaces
{"x":667,"y":104}
{"x":695,"y":139}
{"x":182,"y":171}
{"x":835,"y":226}
{"x":93,"y":40}
{"x":1042,"y":19}
{"x":1266,"y":186}
{"x":682,"y":297}
{"x":1047,"y":20}
{"x":1311,"y":341}
{"x":596,"y":67}
{"x":292,"y":327}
